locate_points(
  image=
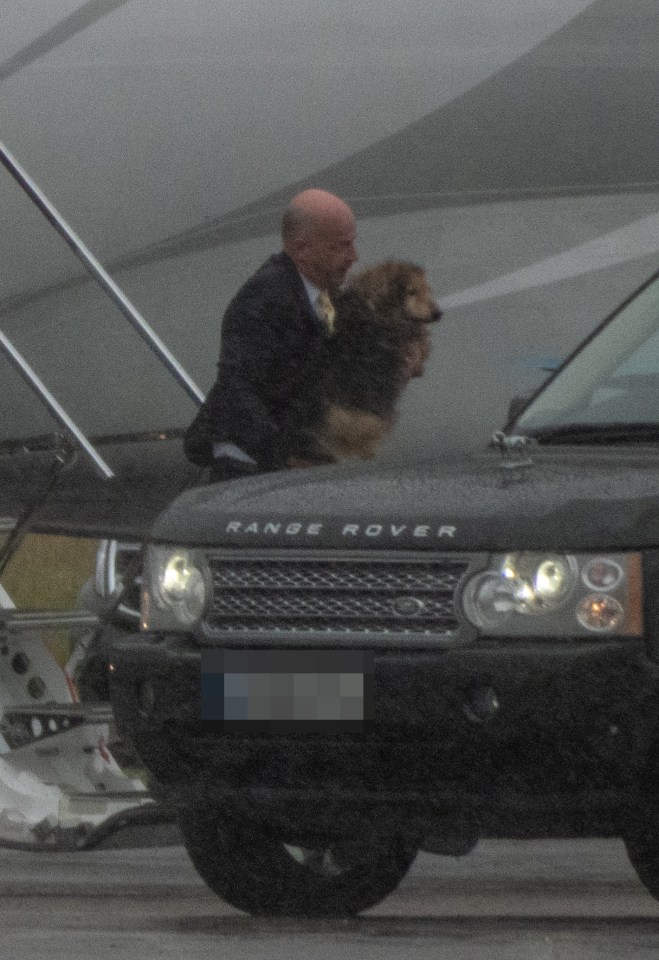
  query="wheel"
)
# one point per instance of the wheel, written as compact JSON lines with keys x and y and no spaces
{"x":254,"y":869}
{"x":642,"y":843}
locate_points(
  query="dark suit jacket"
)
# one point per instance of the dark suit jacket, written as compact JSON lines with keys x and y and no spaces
{"x":271,"y":358}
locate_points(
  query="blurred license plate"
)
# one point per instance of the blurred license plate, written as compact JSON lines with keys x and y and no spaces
{"x":263,"y":690}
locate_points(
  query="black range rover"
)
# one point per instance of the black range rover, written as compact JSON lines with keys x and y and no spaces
{"x":339,"y":667}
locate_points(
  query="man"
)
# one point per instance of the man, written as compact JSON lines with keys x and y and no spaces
{"x":273,"y":341}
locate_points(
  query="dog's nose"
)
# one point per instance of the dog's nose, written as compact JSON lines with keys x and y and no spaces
{"x":436,"y":315}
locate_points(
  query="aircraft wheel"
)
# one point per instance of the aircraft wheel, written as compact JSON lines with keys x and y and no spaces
{"x":255,"y":870}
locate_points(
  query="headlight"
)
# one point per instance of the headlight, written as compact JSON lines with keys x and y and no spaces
{"x":176,"y":588}
{"x":545,"y":594}
{"x":540,"y":583}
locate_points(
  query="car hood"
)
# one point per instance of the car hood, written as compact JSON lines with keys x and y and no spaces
{"x":557,"y":499}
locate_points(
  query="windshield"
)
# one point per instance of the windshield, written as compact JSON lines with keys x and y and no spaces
{"x":613,"y":380}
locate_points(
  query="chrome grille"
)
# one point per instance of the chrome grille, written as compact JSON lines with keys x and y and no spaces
{"x":333,"y":596}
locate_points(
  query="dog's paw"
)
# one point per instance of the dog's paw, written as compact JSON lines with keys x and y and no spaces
{"x":350,"y":432}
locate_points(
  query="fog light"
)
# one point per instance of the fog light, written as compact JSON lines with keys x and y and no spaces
{"x":484,"y":705}
{"x":600,"y":614}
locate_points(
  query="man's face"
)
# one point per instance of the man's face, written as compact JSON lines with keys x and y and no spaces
{"x":330,"y":251}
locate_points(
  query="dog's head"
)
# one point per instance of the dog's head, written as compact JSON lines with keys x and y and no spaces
{"x":396,"y":288}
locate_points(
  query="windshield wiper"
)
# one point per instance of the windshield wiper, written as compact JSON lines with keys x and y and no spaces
{"x":597,"y":433}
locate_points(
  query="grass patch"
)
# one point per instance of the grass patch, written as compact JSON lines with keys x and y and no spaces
{"x":47,"y":573}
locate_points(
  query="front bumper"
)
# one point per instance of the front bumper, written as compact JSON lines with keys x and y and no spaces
{"x":501,"y":726}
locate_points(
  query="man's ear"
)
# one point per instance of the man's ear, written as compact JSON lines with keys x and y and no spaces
{"x":296,"y":246}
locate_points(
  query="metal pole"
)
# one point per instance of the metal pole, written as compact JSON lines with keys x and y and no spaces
{"x":100,"y":275}
{"x":57,"y":411}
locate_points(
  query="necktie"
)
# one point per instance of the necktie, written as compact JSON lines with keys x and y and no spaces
{"x":325,"y":310}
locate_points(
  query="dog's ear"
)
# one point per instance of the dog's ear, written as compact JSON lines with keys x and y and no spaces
{"x":401,"y":280}
{"x":383,"y":286}
{"x":407,"y":280}
{"x":414,"y":279}
{"x":363,"y":284}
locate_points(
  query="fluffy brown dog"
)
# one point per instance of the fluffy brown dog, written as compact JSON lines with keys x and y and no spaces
{"x":381,"y":340}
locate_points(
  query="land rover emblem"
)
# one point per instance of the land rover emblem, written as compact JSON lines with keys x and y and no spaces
{"x":408,"y":607}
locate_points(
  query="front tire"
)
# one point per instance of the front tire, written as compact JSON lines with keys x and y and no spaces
{"x":254,"y":869}
{"x":642,"y":843}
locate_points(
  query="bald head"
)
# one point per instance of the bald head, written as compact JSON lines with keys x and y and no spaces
{"x":318,"y":233}
{"x":315,"y":206}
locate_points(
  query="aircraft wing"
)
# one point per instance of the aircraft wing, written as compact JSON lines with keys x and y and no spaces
{"x":149,"y":471}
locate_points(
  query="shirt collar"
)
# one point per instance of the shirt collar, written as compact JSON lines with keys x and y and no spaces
{"x":312,"y":290}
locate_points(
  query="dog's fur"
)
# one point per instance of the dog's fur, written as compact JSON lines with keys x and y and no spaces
{"x":381,"y":340}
